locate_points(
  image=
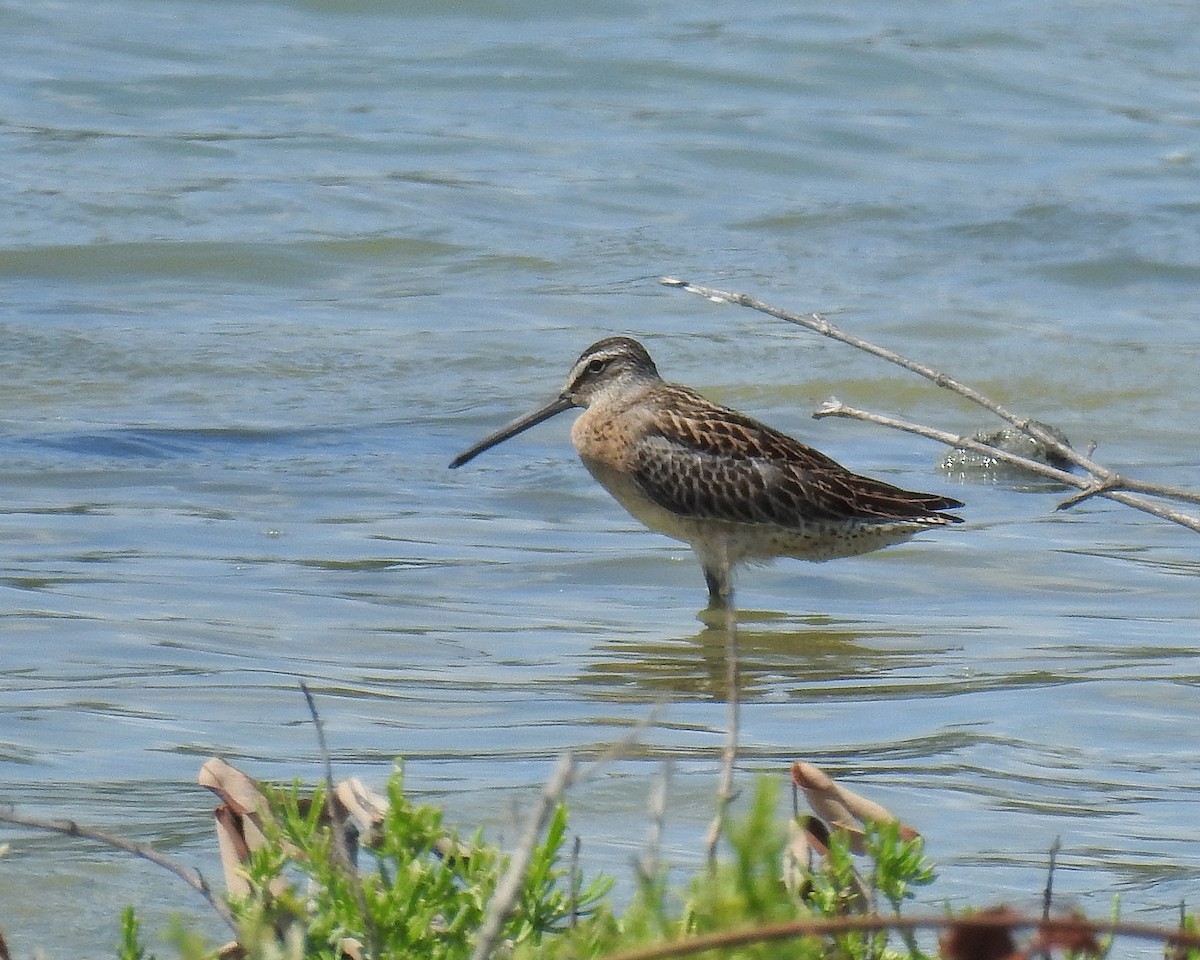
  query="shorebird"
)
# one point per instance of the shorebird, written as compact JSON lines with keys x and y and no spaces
{"x":734,"y":489}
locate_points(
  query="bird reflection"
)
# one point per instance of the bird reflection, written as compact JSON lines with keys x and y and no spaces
{"x":771,"y":660}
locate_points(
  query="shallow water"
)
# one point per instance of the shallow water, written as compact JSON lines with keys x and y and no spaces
{"x":264,"y":275}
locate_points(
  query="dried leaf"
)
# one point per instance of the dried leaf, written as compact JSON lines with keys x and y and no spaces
{"x":239,"y":821}
{"x":362,"y":807}
{"x":816,"y":832}
{"x":231,"y":843}
{"x":798,"y":855}
{"x":822,"y":796}
{"x":1066,"y":934}
{"x":841,"y":808}
{"x":864,"y":810}
{"x":234,"y":788}
{"x":975,"y":941}
{"x":232,"y":951}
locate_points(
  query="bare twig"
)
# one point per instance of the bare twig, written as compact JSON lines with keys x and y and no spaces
{"x":1048,"y":893}
{"x":337,"y":814}
{"x":834,"y":926}
{"x":1107,"y":483}
{"x":322,"y":745}
{"x":193,"y":878}
{"x":725,"y":791}
{"x":620,"y":747}
{"x":338,"y":822}
{"x":1092,"y":489}
{"x":509,"y":887}
{"x":650,"y":863}
{"x":835,"y":408}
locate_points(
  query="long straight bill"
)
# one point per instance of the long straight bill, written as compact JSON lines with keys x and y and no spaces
{"x":553,"y":408}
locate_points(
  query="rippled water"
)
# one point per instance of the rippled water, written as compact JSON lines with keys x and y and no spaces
{"x":268,"y":267}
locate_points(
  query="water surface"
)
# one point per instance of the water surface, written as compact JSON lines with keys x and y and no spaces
{"x":268,"y":267}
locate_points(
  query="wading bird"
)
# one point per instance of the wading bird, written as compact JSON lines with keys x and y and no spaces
{"x":731,"y":487}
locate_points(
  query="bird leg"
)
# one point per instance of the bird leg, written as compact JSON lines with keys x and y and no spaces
{"x":720,"y":586}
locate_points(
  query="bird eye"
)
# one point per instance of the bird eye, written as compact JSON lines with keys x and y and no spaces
{"x":595,"y":366}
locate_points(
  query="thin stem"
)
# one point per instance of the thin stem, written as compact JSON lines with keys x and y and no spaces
{"x":508,"y":890}
{"x":650,"y":862}
{"x":1048,"y":893}
{"x":193,"y":878}
{"x":338,"y":822}
{"x":790,"y":930}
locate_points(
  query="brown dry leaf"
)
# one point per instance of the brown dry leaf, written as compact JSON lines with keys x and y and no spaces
{"x":1066,"y":934}
{"x":975,"y":942}
{"x":363,"y":807}
{"x":234,"y":788}
{"x":807,"y":836}
{"x":238,"y":822}
{"x":822,"y":796}
{"x":798,"y":855}
{"x":860,"y":808}
{"x":816,"y":833}
{"x":842,"y":808}
{"x":231,"y":844}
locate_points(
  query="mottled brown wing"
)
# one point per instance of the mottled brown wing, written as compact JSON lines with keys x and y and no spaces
{"x":714,"y":463}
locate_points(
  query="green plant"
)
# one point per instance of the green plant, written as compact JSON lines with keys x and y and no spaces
{"x":747,"y":890}
{"x":130,"y":947}
{"x":897,"y":864}
{"x":425,"y":894}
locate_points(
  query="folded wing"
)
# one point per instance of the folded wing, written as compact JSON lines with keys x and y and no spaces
{"x":718,"y":464}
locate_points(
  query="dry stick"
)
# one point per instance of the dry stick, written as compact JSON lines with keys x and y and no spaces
{"x":1106,"y":480}
{"x":833,"y":926}
{"x":193,"y":878}
{"x":323,"y":746}
{"x":337,"y":824}
{"x":509,"y":887}
{"x":834,"y":408}
{"x":725,"y":792}
{"x":1048,"y":893}
{"x":650,"y":862}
